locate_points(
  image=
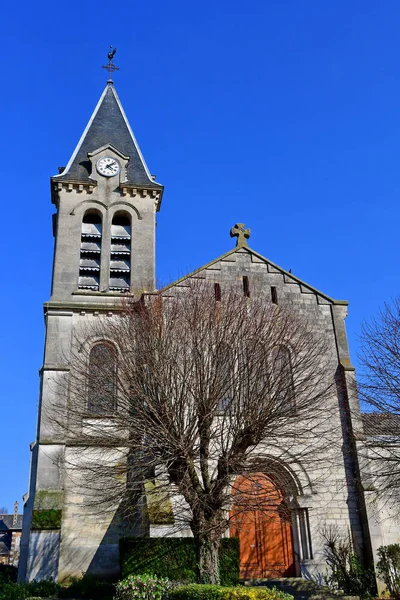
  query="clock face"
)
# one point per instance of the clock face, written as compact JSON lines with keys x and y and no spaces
{"x":108,"y":166}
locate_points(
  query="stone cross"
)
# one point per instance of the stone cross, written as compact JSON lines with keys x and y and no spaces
{"x":241,"y":234}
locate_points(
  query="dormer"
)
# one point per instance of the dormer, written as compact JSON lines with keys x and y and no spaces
{"x":108,"y":165}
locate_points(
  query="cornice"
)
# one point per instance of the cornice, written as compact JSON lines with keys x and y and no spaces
{"x":60,"y":307}
{"x":70,"y":185}
{"x":131,"y":191}
{"x":125,"y":189}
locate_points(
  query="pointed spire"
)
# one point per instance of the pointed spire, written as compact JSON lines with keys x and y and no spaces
{"x":108,"y":125}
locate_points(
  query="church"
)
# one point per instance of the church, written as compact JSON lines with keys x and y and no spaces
{"x":106,"y":203}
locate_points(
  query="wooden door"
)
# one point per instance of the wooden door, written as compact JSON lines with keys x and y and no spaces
{"x":261,"y":521}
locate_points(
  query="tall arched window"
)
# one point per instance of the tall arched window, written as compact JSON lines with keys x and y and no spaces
{"x":120,"y":258}
{"x":102,"y":379}
{"x":225,"y":373}
{"x":90,"y":256}
{"x":283,"y":377}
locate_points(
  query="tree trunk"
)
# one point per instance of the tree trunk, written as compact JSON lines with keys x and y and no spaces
{"x":207,"y":553}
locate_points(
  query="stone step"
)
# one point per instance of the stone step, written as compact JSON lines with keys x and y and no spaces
{"x":299,"y":588}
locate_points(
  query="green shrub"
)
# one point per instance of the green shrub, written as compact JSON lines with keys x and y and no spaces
{"x":88,"y":586}
{"x":389,"y":567}
{"x":14,"y":591}
{"x":196,"y":591}
{"x":44,"y":589}
{"x":8,"y":574}
{"x":347,"y":574}
{"x":229,"y":561}
{"x":214,"y":592}
{"x":21,"y":591}
{"x":142,"y":587}
{"x":175,"y":558}
{"x":254,"y":593}
{"x":46,"y":519}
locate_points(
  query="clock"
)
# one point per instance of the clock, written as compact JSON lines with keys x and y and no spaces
{"x":108,"y":166}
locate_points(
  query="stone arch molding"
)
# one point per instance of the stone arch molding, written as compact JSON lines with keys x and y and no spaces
{"x":73,"y":211}
{"x":106,"y":208}
{"x":87,"y":344}
{"x":292,"y":480}
{"x":123,"y":203}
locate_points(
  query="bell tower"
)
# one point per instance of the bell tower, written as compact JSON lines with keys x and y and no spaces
{"x":106,"y":203}
{"x":104,"y":227}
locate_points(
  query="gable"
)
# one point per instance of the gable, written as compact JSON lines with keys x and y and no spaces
{"x":243,"y":261}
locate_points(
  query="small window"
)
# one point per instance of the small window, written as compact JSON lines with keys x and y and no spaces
{"x":274,"y":295}
{"x":217,"y":292}
{"x":102,"y":380}
{"x":225,"y":377}
{"x":246,"y":288}
{"x":120,"y":258}
{"x":283,"y":377}
{"x":90,"y":253}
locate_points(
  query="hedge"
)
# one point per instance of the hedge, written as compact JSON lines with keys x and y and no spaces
{"x":214,"y":592}
{"x":175,"y":558}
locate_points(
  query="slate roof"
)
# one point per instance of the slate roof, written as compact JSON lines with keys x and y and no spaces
{"x":6,"y":522}
{"x":108,"y":125}
{"x":4,"y":545}
{"x":378,"y":424}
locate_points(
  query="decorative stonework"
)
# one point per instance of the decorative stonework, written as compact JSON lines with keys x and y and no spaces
{"x":132,"y":192}
{"x":71,"y":186}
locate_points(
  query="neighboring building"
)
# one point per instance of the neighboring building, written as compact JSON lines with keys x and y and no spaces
{"x":381,"y":448}
{"x":106,"y":203}
{"x":10,"y":537}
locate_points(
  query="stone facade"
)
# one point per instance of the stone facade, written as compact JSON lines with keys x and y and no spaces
{"x":62,"y":536}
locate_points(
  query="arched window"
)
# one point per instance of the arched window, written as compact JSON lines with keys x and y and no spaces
{"x":90,"y":256}
{"x":283,"y":377}
{"x":120,"y":258}
{"x":102,"y":379}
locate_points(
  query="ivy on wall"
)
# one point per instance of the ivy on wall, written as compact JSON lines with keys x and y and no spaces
{"x":46,"y":519}
{"x":159,"y":506}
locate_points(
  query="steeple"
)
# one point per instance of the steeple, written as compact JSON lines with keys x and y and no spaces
{"x":108,"y":125}
{"x":106,"y":203}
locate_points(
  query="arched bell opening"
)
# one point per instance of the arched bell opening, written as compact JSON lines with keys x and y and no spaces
{"x":90,"y":250}
{"x":120,"y":252}
{"x":272,"y":530}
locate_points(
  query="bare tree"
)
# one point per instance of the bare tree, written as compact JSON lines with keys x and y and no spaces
{"x":194,"y":392}
{"x":379,"y":390}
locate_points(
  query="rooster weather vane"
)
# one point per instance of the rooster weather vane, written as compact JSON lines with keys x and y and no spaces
{"x":111,"y":67}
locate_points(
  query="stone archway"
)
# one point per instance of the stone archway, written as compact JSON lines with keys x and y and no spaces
{"x":261,"y":519}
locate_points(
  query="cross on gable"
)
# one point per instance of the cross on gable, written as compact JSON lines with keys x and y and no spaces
{"x":241,"y":234}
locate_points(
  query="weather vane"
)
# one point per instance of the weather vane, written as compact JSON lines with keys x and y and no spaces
{"x":111,"y":67}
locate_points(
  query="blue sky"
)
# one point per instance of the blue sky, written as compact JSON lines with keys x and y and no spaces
{"x":282,"y":114}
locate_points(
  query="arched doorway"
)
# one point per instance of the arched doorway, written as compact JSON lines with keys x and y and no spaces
{"x":261,"y":520}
